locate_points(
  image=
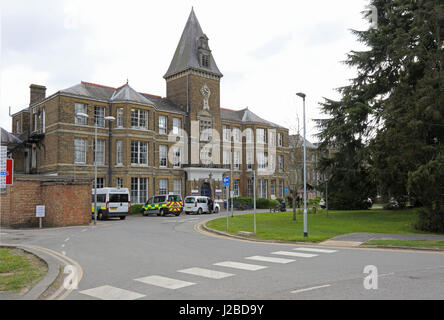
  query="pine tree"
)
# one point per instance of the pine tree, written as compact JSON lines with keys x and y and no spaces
{"x":389,"y":121}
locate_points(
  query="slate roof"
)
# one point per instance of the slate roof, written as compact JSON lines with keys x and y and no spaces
{"x":186,"y":55}
{"x":294,"y":138}
{"x":245,"y":116}
{"x":124,"y":94}
{"x":9,"y":138}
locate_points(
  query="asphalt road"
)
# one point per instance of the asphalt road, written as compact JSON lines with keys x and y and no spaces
{"x":163,"y":258}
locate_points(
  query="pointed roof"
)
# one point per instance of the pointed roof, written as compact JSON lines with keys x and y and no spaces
{"x":245,"y":116}
{"x":126,"y":93}
{"x":187,"y":52}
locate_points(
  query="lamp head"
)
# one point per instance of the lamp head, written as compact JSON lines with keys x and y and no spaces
{"x":302,"y":95}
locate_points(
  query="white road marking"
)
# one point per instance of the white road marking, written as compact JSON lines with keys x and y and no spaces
{"x":270,"y":259}
{"x":310,"y":289}
{"x":295,"y":254}
{"x":67,"y":239}
{"x":112,"y":293}
{"x":241,"y":266}
{"x":63,"y":245}
{"x":84,"y":230}
{"x":206,"y":273}
{"x":315,"y":250}
{"x":164,"y":282}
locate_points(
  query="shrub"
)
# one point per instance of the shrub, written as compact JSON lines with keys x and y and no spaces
{"x":430,"y":220}
{"x":136,"y":209}
{"x":262,"y":203}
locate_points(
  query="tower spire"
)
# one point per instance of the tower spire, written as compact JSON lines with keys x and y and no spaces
{"x":193,"y":51}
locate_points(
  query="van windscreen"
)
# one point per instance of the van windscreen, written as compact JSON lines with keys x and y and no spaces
{"x":174,"y":198}
{"x":122,"y":197}
{"x":190,"y":200}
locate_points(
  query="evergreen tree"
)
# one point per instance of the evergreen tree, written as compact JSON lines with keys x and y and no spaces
{"x":389,"y":121}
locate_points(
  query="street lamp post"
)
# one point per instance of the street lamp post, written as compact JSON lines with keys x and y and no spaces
{"x":302,"y":95}
{"x":84,"y":115}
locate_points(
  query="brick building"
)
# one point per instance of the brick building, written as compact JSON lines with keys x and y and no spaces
{"x":184,"y":143}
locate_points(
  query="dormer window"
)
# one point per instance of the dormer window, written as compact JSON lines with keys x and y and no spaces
{"x":205,"y":61}
{"x":204,"y":52}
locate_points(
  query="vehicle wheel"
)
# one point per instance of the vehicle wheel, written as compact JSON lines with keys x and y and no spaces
{"x":100,"y":216}
{"x":162,"y":213}
{"x":216,"y":210}
{"x":122,"y":218}
{"x":177,"y":214}
{"x":199,"y":212}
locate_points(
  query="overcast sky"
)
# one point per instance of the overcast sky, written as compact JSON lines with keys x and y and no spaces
{"x":267,"y":50}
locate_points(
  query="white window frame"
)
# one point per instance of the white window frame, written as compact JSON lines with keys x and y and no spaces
{"x":99,"y":116}
{"x":80,"y":108}
{"x":226,"y":133}
{"x":163,"y":186}
{"x":141,"y":148}
{"x":280,"y":140}
{"x":177,"y":157}
{"x":100,"y":152}
{"x":178,"y":186}
{"x":261,"y":136}
{"x":120,"y":118}
{"x":137,"y":193}
{"x":163,"y":156}
{"x":177,"y":126}
{"x":236,"y":160}
{"x":119,"y":152}
{"x":250,"y":160}
{"x":163,"y":125}
{"x":281,"y":163}
{"x":80,"y":150}
{"x":139,"y":119}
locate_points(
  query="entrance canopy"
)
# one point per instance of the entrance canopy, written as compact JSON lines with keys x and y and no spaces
{"x":195,"y":173}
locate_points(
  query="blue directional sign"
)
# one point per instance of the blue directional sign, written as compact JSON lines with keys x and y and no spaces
{"x":226,"y":181}
{"x":287,"y":191}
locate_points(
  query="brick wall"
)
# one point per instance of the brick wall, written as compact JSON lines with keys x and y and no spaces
{"x":67,"y":202}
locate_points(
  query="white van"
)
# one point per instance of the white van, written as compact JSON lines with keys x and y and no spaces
{"x":112,"y":203}
{"x":199,"y":205}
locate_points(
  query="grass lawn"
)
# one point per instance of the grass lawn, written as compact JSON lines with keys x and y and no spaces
{"x":280,"y":226}
{"x":432,"y":244}
{"x":19,"y":270}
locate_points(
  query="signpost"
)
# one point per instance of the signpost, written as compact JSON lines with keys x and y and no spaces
{"x":226,"y":184}
{"x":40,"y":213}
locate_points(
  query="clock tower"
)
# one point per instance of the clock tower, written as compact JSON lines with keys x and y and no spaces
{"x":193,"y":83}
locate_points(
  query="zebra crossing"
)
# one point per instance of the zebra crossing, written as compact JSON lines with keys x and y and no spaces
{"x":112,"y":293}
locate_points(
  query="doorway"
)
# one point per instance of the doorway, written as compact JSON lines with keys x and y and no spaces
{"x":206,"y":190}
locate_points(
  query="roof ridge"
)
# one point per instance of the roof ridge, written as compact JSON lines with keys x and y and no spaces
{"x":99,"y":85}
{"x":151,"y":95}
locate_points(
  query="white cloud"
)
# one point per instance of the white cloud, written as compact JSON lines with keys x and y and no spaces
{"x":267,"y":51}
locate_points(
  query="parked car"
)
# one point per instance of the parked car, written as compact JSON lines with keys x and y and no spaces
{"x":164,"y":204}
{"x":111,"y":203}
{"x":199,"y":205}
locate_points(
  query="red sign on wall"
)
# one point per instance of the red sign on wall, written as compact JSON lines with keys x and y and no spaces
{"x":9,"y":172}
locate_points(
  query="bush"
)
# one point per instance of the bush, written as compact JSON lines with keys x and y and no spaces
{"x":136,"y":209}
{"x":430,"y":220}
{"x":262,"y":203}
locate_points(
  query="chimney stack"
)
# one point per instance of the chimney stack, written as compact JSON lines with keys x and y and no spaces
{"x":38,"y":93}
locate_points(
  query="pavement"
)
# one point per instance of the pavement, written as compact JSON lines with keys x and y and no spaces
{"x":170,"y":258}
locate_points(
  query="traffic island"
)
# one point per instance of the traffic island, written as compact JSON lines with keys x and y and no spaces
{"x":20,"y":272}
